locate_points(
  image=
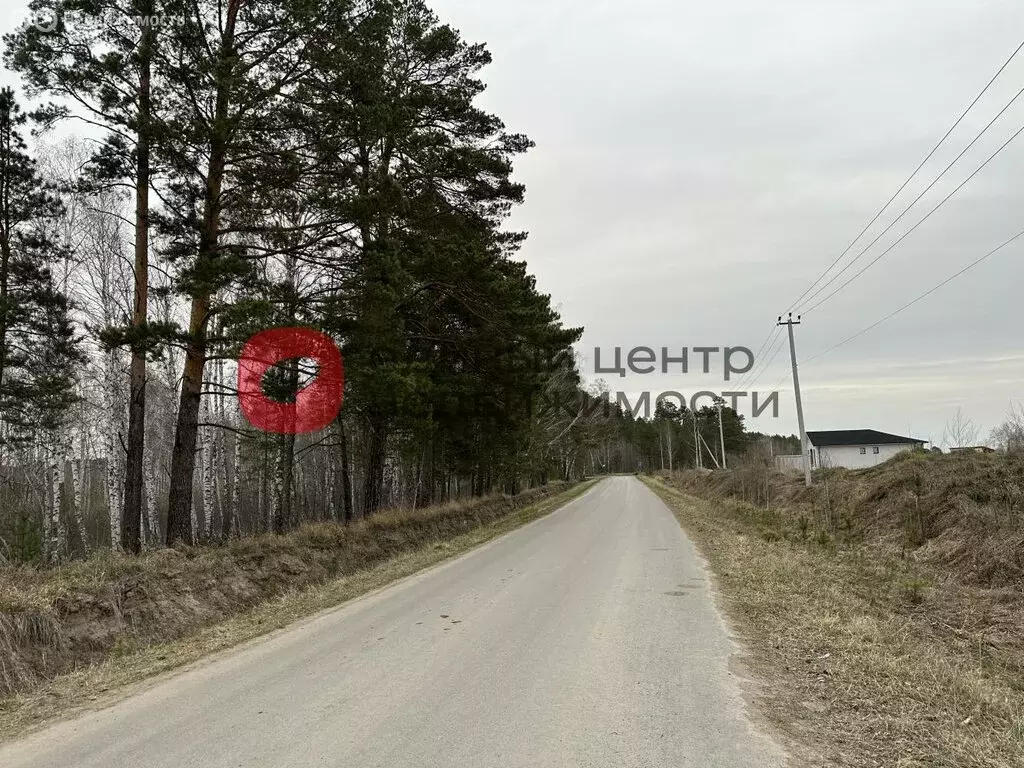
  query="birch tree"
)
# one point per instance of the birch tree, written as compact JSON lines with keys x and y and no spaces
{"x":97,"y":59}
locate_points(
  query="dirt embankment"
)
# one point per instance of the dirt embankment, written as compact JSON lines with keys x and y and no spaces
{"x":963,"y":512}
{"x":54,"y":621}
{"x":883,"y":607}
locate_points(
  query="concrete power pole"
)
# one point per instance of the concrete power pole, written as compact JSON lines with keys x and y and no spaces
{"x":721,"y":434}
{"x":789,"y":323}
{"x":696,"y":442}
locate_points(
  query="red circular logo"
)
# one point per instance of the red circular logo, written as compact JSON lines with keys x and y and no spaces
{"x":316,"y":405}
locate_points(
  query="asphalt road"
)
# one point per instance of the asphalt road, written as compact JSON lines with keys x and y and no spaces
{"x":588,"y":638}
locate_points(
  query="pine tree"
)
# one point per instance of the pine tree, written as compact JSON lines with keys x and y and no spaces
{"x":38,"y":345}
{"x":423,"y":175}
{"x":98,"y":57}
{"x":228,"y":74}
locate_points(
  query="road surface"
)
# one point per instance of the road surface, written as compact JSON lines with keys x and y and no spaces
{"x":587,"y":638}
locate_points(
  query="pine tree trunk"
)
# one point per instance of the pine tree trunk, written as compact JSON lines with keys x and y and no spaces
{"x":343,"y":481}
{"x":131,"y":534}
{"x":284,"y":520}
{"x":424,"y":496}
{"x":374,"y":482}
{"x":180,"y":511}
{"x":183,"y":457}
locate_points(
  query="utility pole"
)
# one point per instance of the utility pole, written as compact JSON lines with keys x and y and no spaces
{"x":711,"y":453}
{"x":696,"y":442}
{"x":790,"y":322}
{"x":721,"y":433}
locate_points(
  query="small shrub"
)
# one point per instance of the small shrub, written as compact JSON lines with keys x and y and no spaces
{"x":913,"y":590}
{"x":825,"y":541}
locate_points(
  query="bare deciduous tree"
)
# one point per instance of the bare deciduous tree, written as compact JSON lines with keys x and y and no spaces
{"x":960,"y":432}
{"x":1008,"y":437}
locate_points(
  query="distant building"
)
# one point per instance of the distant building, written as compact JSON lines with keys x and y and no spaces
{"x":973,"y":449}
{"x":850,"y":448}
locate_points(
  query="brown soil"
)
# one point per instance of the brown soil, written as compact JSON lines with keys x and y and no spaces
{"x":56,"y":621}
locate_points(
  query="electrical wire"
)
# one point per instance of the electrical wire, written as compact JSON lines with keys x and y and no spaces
{"x":910,"y":178}
{"x":759,"y":372}
{"x":927,"y":216}
{"x":915,"y":201}
{"x":924,"y":295}
{"x":757,"y":357}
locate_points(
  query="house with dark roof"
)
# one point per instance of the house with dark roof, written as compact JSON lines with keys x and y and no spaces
{"x":851,"y":448}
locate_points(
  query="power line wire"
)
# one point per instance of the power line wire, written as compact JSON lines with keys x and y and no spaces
{"x":761,"y":371}
{"x":910,"y":178}
{"x":927,"y":216}
{"x":924,"y":295}
{"x":915,"y":201}
{"x":770,"y":354}
{"x":768,"y":365}
{"x":757,"y":356}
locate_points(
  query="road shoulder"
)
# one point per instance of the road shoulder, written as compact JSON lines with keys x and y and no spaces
{"x":101,"y":685}
{"x":852,"y":668}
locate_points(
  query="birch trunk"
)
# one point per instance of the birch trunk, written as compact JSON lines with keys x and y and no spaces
{"x":277,"y":524}
{"x":223,"y":491}
{"x":78,"y":467}
{"x":233,"y":524}
{"x":56,"y":528}
{"x":113,"y":447}
{"x":332,"y":511}
{"x":216,"y":508}
{"x":150,"y":487}
{"x":206,"y":457}
{"x":262,"y":516}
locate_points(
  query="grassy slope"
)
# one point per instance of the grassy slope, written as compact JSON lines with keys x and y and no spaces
{"x":74,"y":639}
{"x":871,"y":657}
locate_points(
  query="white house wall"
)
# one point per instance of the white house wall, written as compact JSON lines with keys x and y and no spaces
{"x":849,"y":456}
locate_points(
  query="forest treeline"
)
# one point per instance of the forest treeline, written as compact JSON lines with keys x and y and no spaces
{"x":169,"y":189}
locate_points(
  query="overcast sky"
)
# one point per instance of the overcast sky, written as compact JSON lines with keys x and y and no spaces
{"x":699,"y":164}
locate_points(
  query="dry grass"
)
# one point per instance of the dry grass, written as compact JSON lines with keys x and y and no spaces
{"x":964,"y":512}
{"x":872,"y":657}
{"x":76,"y":639}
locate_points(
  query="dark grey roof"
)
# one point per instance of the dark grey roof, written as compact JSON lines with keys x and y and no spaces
{"x":857,"y":437}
